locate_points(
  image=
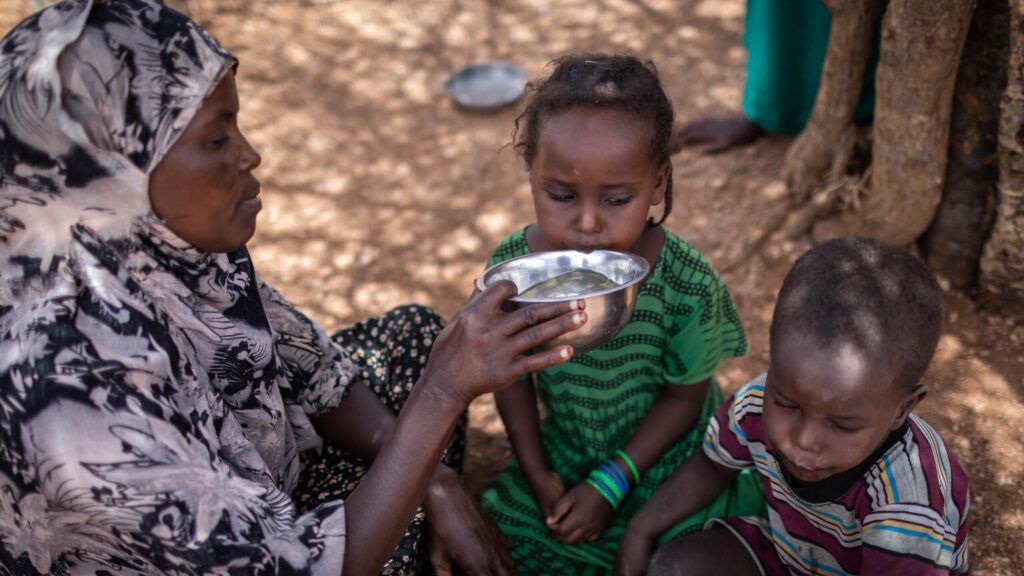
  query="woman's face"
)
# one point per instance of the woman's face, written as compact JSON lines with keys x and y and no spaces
{"x":204,"y":188}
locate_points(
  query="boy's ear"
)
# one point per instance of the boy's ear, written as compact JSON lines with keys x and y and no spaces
{"x":661,"y":184}
{"x":909,"y":402}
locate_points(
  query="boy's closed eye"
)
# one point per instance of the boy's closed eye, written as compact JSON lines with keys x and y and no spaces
{"x":843,"y":424}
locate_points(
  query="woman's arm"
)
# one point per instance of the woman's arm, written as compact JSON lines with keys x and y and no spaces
{"x":481,"y":350}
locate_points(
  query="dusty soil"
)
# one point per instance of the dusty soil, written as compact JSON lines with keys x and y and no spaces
{"x":378,"y":192}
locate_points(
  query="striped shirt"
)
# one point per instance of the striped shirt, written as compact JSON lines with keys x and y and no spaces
{"x":906,"y":513}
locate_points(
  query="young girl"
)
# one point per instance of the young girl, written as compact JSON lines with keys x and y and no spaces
{"x":596,"y":137}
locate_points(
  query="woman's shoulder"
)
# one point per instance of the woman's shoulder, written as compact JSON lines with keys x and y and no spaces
{"x":512,"y":246}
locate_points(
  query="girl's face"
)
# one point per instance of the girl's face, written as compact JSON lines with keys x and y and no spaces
{"x":204,"y":188}
{"x":593,"y":180}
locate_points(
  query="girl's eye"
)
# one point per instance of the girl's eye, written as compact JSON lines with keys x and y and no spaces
{"x":561,"y":196}
{"x":618,"y":200}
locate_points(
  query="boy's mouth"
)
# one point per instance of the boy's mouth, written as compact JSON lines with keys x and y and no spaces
{"x":804,"y":474}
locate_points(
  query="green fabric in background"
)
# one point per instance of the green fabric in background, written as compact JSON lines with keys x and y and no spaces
{"x":786,"y":42}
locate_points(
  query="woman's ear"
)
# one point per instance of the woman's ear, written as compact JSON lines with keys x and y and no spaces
{"x":661,"y":183}
{"x":908,"y":403}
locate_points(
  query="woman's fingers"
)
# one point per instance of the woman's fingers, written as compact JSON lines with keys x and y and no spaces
{"x":548,"y":329}
{"x":536,"y":314}
{"x":540,"y":360}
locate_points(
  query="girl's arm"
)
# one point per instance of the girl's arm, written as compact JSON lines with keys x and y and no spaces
{"x":697,"y":482}
{"x":584,"y":513}
{"x":517,"y":405}
{"x":668,"y":420}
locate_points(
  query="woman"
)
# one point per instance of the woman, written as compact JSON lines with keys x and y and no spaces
{"x":155,"y":394}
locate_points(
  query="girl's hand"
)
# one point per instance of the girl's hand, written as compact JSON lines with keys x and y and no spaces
{"x":634,"y":553}
{"x":481,"y":349}
{"x":548,"y":489}
{"x":581,"y":515}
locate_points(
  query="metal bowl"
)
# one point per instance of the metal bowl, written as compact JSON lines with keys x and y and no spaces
{"x":487,"y":86}
{"x":607,"y":310}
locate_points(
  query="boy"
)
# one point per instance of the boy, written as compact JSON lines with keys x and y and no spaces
{"x":854,"y":483}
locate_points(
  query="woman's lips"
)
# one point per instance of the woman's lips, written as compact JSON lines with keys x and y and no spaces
{"x":252,"y":200}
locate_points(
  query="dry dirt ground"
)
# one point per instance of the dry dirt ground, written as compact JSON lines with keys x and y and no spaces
{"x":378,"y":192}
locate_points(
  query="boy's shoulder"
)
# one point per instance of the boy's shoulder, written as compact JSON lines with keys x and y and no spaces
{"x":919,"y":470}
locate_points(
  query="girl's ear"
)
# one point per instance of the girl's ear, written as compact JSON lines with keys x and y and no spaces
{"x":661,"y":183}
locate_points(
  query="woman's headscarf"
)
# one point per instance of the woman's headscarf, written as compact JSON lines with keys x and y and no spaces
{"x":153,"y":398}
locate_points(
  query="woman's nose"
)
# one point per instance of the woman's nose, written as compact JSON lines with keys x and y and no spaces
{"x":250,"y":158}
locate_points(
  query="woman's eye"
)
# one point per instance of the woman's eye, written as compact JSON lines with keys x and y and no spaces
{"x":220,"y":142}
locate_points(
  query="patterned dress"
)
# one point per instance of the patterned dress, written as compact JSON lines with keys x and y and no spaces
{"x":684,"y":324}
{"x":156,"y":400}
{"x":904,"y":510}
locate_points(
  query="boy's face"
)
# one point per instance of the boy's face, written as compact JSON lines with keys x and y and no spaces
{"x":593,"y":180}
{"x":826,"y":410}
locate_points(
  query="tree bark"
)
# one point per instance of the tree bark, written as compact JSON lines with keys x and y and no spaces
{"x":922,"y":41}
{"x":1002,"y":266}
{"x":954,"y":242}
{"x":823,"y":149}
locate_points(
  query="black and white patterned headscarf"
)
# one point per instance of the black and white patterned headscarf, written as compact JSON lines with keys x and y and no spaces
{"x":154,"y":399}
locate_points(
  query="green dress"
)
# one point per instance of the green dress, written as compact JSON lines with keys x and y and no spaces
{"x":786,"y":42}
{"x":684,"y":324}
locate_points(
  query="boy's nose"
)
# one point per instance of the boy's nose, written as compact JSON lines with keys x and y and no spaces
{"x":806,"y":439}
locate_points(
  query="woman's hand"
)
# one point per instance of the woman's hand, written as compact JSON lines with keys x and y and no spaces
{"x":461,"y":533}
{"x":634,"y":553}
{"x":548,"y":489}
{"x":481,"y":349}
{"x":581,"y":515}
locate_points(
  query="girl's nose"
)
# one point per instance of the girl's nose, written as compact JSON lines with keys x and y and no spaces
{"x":588,"y":222}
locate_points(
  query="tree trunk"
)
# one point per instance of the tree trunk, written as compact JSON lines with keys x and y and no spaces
{"x":823,"y":149}
{"x":921,"y":45}
{"x":1002,"y":266}
{"x":953,"y":244}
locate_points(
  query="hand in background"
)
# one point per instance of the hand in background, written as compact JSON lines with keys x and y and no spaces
{"x":581,"y":515}
{"x":461,"y":534}
{"x":634,"y":554}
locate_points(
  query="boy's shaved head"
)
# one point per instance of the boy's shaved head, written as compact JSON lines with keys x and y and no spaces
{"x":867,"y":294}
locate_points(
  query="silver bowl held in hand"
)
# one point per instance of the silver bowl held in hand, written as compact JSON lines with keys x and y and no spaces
{"x":607,"y":280}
